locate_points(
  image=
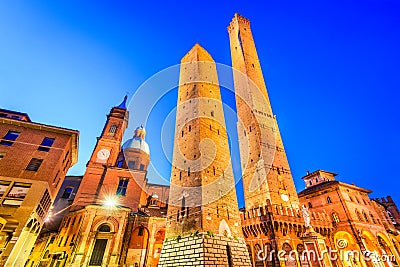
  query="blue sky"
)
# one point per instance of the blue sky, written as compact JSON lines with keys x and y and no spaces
{"x":332,"y":69}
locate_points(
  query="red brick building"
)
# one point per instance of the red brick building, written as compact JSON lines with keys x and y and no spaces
{"x":34,"y":159}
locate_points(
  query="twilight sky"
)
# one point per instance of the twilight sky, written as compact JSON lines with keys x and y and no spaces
{"x":331,"y":67}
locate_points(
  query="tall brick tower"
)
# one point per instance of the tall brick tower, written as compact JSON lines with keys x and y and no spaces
{"x":265,"y":168}
{"x":203,"y":223}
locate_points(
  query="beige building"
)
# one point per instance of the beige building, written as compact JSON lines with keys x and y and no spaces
{"x":34,"y":159}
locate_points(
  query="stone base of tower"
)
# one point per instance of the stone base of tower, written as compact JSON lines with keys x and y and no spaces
{"x":204,"y":250}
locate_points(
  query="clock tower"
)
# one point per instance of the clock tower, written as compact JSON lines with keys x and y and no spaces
{"x":108,"y":144}
{"x":105,"y":155}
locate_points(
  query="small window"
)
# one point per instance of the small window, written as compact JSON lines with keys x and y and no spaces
{"x":141,"y":167}
{"x":131,"y":164}
{"x":141,"y":230}
{"x":19,"y":190}
{"x":105,"y":228}
{"x":365,"y":217}
{"x":188,"y":171}
{"x":212,"y":113}
{"x":2,"y":155}
{"x":335,"y":217}
{"x":328,"y":199}
{"x":46,"y":144}
{"x":34,"y":164}
{"x":9,"y":138}
{"x":120,"y":163}
{"x":3,"y":187}
{"x":190,"y":128}
{"x":67,"y":192}
{"x":122,"y":185}
{"x":113,"y":129}
{"x":309,"y":205}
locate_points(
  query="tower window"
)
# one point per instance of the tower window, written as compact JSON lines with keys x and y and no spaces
{"x":180,"y":175}
{"x":67,"y":192}
{"x":190,"y":128}
{"x":46,"y":144}
{"x":182,"y":133}
{"x":112,"y":130}
{"x":131,"y":164}
{"x":141,"y":167}
{"x":122,"y":185}
{"x":309,"y":205}
{"x":34,"y":164}
{"x":9,"y":138}
{"x":188,"y":171}
{"x":212,"y":113}
{"x":183,"y":207}
{"x":328,"y":199}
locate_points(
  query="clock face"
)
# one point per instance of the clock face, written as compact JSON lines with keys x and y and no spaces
{"x":103,"y":154}
{"x":285,"y":197}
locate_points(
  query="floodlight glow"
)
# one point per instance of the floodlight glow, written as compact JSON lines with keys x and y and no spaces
{"x":110,"y":202}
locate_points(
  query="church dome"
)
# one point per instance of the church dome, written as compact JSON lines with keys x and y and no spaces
{"x":137,"y":142}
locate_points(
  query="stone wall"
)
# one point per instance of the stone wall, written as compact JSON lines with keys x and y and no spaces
{"x":204,"y":250}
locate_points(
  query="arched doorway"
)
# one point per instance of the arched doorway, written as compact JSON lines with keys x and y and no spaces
{"x":138,"y":246}
{"x":302,"y":255}
{"x":374,"y":252}
{"x":388,"y":255}
{"x":100,"y":244}
{"x":258,"y":256}
{"x":290,"y":255}
{"x":348,"y":249}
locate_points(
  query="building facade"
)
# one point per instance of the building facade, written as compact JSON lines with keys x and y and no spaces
{"x":34,"y":159}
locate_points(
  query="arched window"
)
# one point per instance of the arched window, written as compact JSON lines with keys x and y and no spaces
{"x":104,"y":228}
{"x":335,"y":217}
{"x":372,"y":218}
{"x":67,"y":192}
{"x":309,"y":205}
{"x":391,"y":217}
{"x":328,"y":199}
{"x":365,"y":217}
{"x":359,"y":216}
{"x":257,"y":249}
{"x":113,"y":129}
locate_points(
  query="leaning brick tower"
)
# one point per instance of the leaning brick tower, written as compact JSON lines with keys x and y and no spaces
{"x":203,"y":222}
{"x":267,"y":178}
